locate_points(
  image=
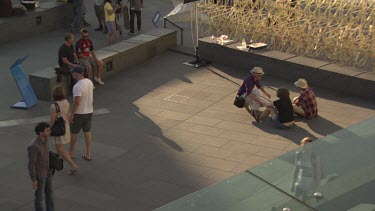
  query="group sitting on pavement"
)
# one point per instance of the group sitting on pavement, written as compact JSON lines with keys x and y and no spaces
{"x":281,"y":111}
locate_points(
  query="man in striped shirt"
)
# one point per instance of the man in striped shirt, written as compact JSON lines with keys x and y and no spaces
{"x":38,"y":166}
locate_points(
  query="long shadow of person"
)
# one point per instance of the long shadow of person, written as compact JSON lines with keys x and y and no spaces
{"x":294,"y":134}
{"x":321,"y":125}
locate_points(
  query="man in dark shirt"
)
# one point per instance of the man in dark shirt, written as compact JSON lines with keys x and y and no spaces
{"x":67,"y":55}
{"x":38,"y":165}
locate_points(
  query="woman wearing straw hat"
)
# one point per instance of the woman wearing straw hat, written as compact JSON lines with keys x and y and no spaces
{"x":250,"y":90}
{"x":305,"y":104}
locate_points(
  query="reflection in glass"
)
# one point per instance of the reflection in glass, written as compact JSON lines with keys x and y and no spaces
{"x":307,"y":173}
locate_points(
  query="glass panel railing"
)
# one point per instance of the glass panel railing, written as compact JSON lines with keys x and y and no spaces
{"x":240,"y":192}
{"x":334,"y":173}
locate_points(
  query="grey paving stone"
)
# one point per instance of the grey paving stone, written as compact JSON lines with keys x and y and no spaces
{"x":216,"y":175}
{"x":213,"y":151}
{"x":238,"y":147}
{"x":203,"y":120}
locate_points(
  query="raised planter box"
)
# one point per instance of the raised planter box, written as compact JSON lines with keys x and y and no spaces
{"x":117,"y":57}
{"x":52,"y":16}
{"x":291,"y":67}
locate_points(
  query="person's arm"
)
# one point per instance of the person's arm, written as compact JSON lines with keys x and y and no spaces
{"x":32,"y":155}
{"x":264,"y":92}
{"x":94,"y":55}
{"x":66,"y":61}
{"x":76,"y":103}
{"x":299,"y":100}
{"x":109,"y":9}
{"x":53,"y":116}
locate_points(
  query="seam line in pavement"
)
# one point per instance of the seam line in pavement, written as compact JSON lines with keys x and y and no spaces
{"x":15,"y":122}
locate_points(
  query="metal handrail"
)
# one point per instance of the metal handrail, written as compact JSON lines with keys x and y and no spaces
{"x":181,"y":29}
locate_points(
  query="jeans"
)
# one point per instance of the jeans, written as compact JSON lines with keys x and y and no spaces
{"x":44,"y":186}
{"x":132,"y":15}
{"x":78,"y":14}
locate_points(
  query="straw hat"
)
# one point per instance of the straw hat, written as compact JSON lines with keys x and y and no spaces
{"x":301,"y":83}
{"x":257,"y":71}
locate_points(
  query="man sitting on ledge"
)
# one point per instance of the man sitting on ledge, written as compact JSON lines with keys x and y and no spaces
{"x":67,"y":57}
{"x":305,"y":104}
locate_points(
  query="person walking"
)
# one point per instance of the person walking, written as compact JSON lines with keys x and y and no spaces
{"x":110,"y":17}
{"x":38,"y":166}
{"x":81,"y":115}
{"x":281,"y":110}
{"x":63,"y":106}
{"x":135,"y":7}
{"x":87,"y":57}
{"x":305,"y":104}
{"x":126,"y":17}
{"x":251,"y":90}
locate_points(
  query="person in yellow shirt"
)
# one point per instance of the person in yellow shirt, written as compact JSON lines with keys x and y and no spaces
{"x":109,"y":16}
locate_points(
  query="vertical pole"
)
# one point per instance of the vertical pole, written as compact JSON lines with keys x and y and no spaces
{"x":196,"y":32}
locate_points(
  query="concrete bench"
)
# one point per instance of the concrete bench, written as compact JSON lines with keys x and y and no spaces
{"x":48,"y":17}
{"x":117,"y":57}
{"x":290,"y":67}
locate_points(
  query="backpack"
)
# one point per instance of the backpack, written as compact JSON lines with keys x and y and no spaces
{"x":55,"y":163}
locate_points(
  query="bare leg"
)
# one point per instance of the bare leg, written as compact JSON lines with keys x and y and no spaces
{"x":72,"y":144}
{"x":89,"y":71}
{"x":88,"y":138}
{"x":265,"y":114}
{"x":99,"y":69}
{"x":61,"y":150}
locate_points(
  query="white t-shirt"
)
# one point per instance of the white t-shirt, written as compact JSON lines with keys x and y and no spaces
{"x":84,"y":88}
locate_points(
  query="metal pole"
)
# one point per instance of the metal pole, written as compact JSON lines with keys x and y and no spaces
{"x":196,"y":32}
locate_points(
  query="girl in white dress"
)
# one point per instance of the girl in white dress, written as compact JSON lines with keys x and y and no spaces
{"x":60,"y":98}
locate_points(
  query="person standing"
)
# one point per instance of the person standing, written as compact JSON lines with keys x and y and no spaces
{"x":250,"y":91}
{"x":78,"y":15}
{"x":64,"y":107}
{"x":87,"y":56}
{"x":38,"y":166}
{"x":136,"y":7}
{"x":110,"y":17}
{"x":82,"y":110}
{"x":305,"y":104}
{"x":126,"y":17}
{"x":99,"y":12}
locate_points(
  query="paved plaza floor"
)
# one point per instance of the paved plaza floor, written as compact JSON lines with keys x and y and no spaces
{"x":168,"y":131}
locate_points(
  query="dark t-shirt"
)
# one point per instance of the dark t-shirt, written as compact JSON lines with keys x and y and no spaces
{"x":5,"y":8}
{"x":66,"y":52}
{"x":285,"y":110}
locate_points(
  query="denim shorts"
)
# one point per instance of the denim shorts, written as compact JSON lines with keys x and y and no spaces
{"x":111,"y":26}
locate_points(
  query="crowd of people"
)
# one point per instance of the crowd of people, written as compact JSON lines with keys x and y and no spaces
{"x":109,"y":14}
{"x":282,"y":111}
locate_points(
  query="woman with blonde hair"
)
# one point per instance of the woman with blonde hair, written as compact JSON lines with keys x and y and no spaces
{"x":63,"y":105}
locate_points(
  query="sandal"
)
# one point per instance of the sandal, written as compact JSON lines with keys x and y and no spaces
{"x":85,"y":157}
{"x":255,"y":117}
{"x":72,"y":172}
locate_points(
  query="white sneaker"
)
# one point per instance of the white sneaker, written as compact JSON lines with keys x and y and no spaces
{"x":99,"y":81}
{"x":95,"y":79}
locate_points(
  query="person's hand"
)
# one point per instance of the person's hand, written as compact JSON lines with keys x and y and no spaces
{"x":71,"y":118}
{"x":268,"y":95}
{"x":35,"y":185}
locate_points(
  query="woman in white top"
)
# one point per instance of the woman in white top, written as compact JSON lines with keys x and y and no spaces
{"x":60,"y":98}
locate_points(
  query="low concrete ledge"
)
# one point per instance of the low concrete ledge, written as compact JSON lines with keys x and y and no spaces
{"x":53,"y":15}
{"x":290,"y":67}
{"x":118,"y":57}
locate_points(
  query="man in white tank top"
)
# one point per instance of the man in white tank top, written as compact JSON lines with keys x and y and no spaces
{"x":82,"y":110}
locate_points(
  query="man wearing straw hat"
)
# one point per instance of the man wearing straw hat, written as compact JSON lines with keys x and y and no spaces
{"x":250,"y":90}
{"x":305,"y":104}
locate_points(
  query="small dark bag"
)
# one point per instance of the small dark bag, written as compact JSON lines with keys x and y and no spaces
{"x":239,"y":102}
{"x":55,"y":163}
{"x":58,"y":127}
